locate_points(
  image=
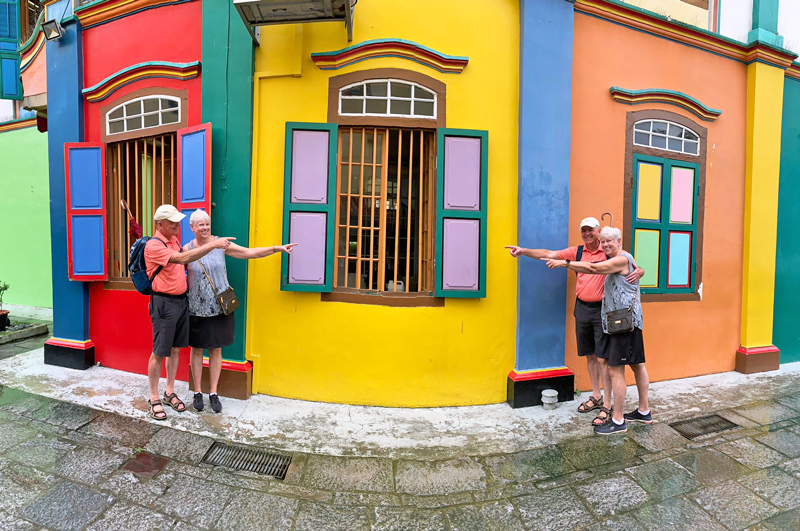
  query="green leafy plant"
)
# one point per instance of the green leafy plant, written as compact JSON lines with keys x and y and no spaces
{"x":3,"y":288}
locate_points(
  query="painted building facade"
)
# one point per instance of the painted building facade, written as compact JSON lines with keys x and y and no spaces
{"x":403,"y":155}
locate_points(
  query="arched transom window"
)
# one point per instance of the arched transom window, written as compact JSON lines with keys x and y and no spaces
{"x":666,"y":135}
{"x":143,"y":113}
{"x":387,"y":97}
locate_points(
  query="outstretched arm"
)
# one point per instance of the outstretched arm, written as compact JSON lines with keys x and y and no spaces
{"x":618,"y":264}
{"x":245,"y":253}
{"x":199,"y":252}
{"x":532,"y":253}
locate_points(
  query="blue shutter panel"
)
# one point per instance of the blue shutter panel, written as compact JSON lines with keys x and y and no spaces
{"x":10,"y":84}
{"x":87,"y":233}
{"x":194,"y":174}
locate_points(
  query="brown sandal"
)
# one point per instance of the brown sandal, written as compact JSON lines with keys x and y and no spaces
{"x":156,"y":415}
{"x":590,"y":405}
{"x":602,"y":417}
{"x":178,"y":406}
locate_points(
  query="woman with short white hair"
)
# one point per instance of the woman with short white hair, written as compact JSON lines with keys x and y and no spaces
{"x":210,"y":327}
{"x":625,"y":346}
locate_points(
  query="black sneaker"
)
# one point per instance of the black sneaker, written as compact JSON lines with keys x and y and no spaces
{"x":610,"y":428}
{"x":197,"y":402}
{"x":215,"y":405}
{"x":635,"y":416}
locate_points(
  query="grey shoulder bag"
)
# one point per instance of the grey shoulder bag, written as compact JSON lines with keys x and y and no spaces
{"x":619,"y":321}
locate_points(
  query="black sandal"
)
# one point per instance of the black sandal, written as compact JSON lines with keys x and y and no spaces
{"x":175,"y":405}
{"x":602,"y":417}
{"x":156,"y":415}
{"x":595,"y":404}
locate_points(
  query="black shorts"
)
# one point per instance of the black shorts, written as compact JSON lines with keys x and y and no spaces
{"x":211,"y":332}
{"x":626,"y":348}
{"x":589,"y":329}
{"x":170,"y":318}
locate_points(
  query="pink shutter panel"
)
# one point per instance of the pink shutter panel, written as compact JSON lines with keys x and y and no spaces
{"x":87,"y":229}
{"x":194,"y":174}
{"x":461,"y":213}
{"x":309,"y":198}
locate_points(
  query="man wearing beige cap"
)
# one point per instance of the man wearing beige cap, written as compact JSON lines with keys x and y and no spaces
{"x":588,"y":304}
{"x":169,"y":307}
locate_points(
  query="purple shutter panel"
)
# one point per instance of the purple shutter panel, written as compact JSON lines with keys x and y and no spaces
{"x":308,"y":215}
{"x":461,"y":213}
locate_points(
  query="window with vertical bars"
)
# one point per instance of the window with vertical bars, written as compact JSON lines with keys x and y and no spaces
{"x":385,"y":210}
{"x":143,"y":173}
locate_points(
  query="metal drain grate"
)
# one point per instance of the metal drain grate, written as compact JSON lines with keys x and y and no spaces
{"x":249,"y":459}
{"x":691,"y":429}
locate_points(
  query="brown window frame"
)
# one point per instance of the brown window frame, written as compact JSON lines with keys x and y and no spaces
{"x":150,"y":131}
{"x":630,"y":149}
{"x":335,"y":84}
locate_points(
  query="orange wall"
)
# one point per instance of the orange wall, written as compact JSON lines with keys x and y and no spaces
{"x":34,"y":78}
{"x":681,"y":338}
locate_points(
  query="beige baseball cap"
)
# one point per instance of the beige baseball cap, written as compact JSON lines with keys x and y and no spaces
{"x":170,"y":213}
{"x":590,"y":222}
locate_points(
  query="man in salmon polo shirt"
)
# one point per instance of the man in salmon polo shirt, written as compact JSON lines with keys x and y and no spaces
{"x":588,"y":304}
{"x":169,"y":307}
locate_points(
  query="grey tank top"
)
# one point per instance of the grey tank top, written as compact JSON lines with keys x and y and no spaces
{"x":619,"y":293}
{"x":202,"y":302}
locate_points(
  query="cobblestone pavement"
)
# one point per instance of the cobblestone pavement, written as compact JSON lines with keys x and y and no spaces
{"x":65,"y":466}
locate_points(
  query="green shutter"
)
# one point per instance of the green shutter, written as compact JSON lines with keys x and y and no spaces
{"x":667,"y":246}
{"x":461,"y":190}
{"x":309,"y":200}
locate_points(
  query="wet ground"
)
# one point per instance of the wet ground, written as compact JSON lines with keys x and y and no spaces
{"x":64,"y":465}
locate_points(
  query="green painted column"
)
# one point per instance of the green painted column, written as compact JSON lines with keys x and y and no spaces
{"x":786,"y":333}
{"x":227,"y":73}
{"x":765,"y":23}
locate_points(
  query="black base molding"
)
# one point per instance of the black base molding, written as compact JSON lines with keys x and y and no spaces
{"x":72,"y":357}
{"x":525,"y":389}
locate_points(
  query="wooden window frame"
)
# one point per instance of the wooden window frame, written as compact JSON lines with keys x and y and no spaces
{"x":335,"y":84}
{"x":181,"y":95}
{"x":628,"y":204}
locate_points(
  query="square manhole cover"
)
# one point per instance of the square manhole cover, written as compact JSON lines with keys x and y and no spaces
{"x":693,"y":428}
{"x":249,"y":459}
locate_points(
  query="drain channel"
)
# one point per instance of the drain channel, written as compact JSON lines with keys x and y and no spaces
{"x":693,"y":428}
{"x":249,"y":459}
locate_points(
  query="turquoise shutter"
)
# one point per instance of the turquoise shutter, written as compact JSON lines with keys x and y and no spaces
{"x":461,"y":184}
{"x":10,"y":83}
{"x":87,"y":232}
{"x":309,"y":198}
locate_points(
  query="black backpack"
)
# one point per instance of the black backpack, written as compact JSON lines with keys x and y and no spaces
{"x":138,"y":269}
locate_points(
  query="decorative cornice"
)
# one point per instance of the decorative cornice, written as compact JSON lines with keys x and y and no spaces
{"x":648,"y":22}
{"x":139,"y":71}
{"x":412,"y":51}
{"x":29,"y":54}
{"x":34,"y":34}
{"x":13,"y":125}
{"x":102,"y":11}
{"x":671,"y":97}
{"x":794,"y":70}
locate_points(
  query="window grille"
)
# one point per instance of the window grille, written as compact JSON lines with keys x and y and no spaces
{"x":667,"y":136}
{"x":143,"y":113}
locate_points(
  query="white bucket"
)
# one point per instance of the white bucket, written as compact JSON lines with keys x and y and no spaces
{"x":549,"y":398}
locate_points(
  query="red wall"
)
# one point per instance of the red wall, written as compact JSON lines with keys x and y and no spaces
{"x":119,"y":322}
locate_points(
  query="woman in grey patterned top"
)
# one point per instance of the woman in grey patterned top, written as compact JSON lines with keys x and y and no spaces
{"x":626,"y":348}
{"x":209,"y":327}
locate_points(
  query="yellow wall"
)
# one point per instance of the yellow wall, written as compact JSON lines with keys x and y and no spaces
{"x":339,"y":352}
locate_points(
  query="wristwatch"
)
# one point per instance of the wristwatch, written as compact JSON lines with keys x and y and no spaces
{"x":567,"y":261}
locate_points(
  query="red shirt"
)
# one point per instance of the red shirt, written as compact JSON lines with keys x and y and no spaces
{"x":171,"y":279}
{"x":588,"y":288}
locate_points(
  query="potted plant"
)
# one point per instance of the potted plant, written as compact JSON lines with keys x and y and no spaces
{"x":3,"y":313}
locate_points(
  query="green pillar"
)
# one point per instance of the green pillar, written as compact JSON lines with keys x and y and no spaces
{"x":765,"y":23}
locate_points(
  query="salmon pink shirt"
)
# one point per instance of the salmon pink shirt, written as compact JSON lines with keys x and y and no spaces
{"x":171,"y":279}
{"x":588,"y":288}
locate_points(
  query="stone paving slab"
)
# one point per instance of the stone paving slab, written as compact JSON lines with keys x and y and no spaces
{"x":785,"y":441}
{"x":67,"y":507}
{"x":710,"y":466}
{"x":314,"y":516}
{"x":776,"y":486}
{"x":188,"y":500}
{"x":348,"y":473}
{"x":408,"y":519}
{"x":554,"y":510}
{"x":125,"y":431}
{"x":676,"y":514}
{"x":612,"y":495}
{"x":249,"y":511}
{"x":439,"y":477}
{"x":179,"y":445}
{"x":751,"y":453}
{"x":733,"y":505}
{"x":495,"y":516}
{"x":664,"y":479}
{"x":530,"y":465}
{"x":124,"y":517}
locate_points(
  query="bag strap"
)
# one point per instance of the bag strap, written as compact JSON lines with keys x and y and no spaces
{"x":579,"y":253}
{"x":200,"y":261}
{"x":159,"y":268}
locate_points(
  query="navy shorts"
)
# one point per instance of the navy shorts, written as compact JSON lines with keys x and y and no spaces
{"x":170,"y":318}
{"x":626,"y":348}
